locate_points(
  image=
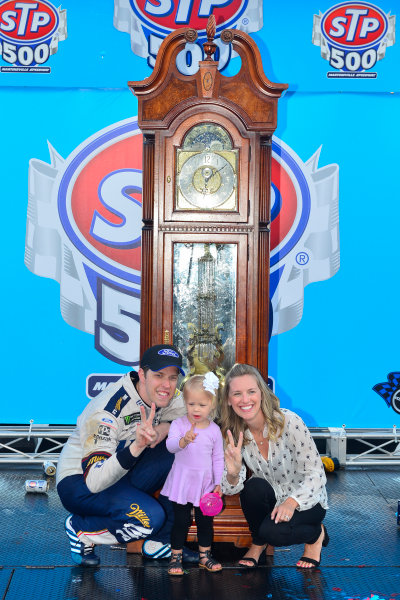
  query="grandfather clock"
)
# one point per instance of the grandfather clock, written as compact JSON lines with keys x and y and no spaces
{"x":206,"y":204}
{"x":206,"y":212}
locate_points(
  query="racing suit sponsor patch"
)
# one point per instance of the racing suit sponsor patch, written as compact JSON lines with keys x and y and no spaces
{"x":93,"y":459}
{"x":133,"y":418}
{"x":117,"y":402}
{"x":103,"y":430}
{"x":139,"y":514}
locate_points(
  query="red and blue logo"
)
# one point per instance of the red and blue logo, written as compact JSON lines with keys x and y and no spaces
{"x":29,"y":32}
{"x":97,"y":195}
{"x":165,"y":16}
{"x":354,"y":25}
{"x":353,"y":35}
{"x":151,"y":21}
{"x":106,"y":227}
{"x":290,"y":205}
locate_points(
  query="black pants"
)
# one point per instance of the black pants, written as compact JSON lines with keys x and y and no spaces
{"x":258,"y":501}
{"x":182,"y":522}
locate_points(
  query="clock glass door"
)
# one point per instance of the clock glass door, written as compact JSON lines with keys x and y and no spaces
{"x":204,"y":305}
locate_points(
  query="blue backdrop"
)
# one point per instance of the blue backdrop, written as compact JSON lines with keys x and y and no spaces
{"x":346,"y":336}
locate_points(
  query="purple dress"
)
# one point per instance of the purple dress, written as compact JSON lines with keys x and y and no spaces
{"x":198,"y":468}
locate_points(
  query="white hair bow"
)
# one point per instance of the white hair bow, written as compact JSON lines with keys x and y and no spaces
{"x":211,"y":382}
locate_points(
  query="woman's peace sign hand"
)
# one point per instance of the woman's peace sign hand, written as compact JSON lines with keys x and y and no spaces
{"x":233,"y":455}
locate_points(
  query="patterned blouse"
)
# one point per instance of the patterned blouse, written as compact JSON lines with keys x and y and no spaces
{"x":294,"y":467}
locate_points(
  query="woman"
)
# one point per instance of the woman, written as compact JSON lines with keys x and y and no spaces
{"x":285,"y":500}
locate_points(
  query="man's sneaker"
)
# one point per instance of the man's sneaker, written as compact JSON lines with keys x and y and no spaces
{"x":81,"y":553}
{"x":151,"y":549}
{"x":158,"y":550}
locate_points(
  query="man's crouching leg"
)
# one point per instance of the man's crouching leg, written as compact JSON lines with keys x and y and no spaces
{"x":119,"y":514}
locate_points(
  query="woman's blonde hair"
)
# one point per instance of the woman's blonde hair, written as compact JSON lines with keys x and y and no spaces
{"x":273,"y":415}
{"x":196,"y":382}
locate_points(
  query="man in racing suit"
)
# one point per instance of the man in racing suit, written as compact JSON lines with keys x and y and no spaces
{"x":116,"y":459}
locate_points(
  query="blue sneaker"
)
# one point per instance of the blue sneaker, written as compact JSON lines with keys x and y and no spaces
{"x":158,"y":550}
{"x":81,"y":553}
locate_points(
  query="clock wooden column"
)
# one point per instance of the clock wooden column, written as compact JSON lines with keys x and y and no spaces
{"x":147,"y":240}
{"x":206,"y":192}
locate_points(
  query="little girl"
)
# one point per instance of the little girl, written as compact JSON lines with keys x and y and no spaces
{"x":197,"y":444}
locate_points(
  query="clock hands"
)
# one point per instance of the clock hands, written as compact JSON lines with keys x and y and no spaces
{"x":207,"y":173}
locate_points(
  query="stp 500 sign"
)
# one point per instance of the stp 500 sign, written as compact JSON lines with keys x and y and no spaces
{"x":30,"y":31}
{"x":353,"y":35}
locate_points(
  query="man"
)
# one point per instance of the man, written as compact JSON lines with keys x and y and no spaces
{"x":116,"y":459}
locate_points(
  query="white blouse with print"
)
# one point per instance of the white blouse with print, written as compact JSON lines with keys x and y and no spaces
{"x":294,"y":467}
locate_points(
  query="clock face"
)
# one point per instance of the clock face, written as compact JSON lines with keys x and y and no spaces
{"x":206,"y":170}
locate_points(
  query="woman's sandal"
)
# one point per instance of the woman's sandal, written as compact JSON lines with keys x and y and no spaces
{"x":254,"y":562}
{"x":175,"y":562}
{"x":315,"y":563}
{"x":240,"y":565}
{"x":210,"y":562}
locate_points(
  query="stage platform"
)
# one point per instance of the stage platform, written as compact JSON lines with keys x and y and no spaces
{"x":361,"y":562}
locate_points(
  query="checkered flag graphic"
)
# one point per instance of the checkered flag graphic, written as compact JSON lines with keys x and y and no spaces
{"x":386,"y":389}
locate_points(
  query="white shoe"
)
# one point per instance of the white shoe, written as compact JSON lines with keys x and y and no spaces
{"x":152,"y":549}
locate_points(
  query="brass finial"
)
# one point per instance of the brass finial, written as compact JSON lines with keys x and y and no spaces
{"x":209,"y":46}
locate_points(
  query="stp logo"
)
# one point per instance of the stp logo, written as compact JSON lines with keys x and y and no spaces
{"x":354,"y":25}
{"x":106,"y":226}
{"x":166,"y":16}
{"x":30,"y":31}
{"x":151,"y":21}
{"x":355,"y":35}
{"x":100,"y":210}
{"x":290,"y":204}
{"x":95,"y":246}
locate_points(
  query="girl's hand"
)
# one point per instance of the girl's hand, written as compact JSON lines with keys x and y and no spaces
{"x":190,"y":436}
{"x":145,"y":434}
{"x":282,"y":513}
{"x":217,"y":490}
{"x":233,"y":455}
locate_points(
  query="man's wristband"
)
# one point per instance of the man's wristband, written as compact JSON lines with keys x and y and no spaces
{"x":126,"y":459}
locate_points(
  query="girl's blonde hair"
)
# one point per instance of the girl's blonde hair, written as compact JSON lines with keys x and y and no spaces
{"x":196,"y":382}
{"x":273,"y":415}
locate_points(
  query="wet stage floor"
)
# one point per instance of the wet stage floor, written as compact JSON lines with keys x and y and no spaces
{"x":361,"y":562}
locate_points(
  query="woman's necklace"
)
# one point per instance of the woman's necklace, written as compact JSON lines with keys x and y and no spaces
{"x":259,"y":433}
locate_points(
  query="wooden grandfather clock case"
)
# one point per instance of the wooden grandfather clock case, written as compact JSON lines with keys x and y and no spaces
{"x":206,"y":206}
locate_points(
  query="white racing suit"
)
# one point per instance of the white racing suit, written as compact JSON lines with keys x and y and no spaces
{"x":108,"y":491}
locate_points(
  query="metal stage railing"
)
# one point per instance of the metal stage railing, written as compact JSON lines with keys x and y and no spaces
{"x":36,"y":444}
{"x":360,"y":447}
{"x":32,"y":444}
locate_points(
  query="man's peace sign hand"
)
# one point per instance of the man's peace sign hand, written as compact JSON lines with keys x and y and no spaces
{"x":145,"y":433}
